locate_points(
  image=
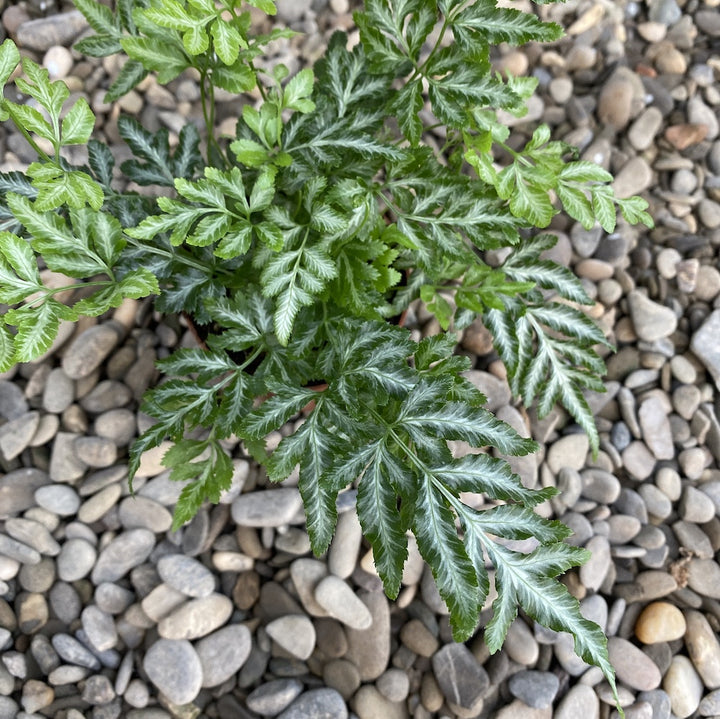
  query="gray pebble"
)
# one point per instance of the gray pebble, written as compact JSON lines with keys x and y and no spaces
{"x":174,"y":667}
{"x":633,"y":667}
{"x":17,"y":434}
{"x":96,"y":452}
{"x":12,"y":402}
{"x":71,"y":650}
{"x":141,"y":512}
{"x":223,"y":653}
{"x":59,"y":392}
{"x":536,"y":689}
{"x":187,"y":575}
{"x":272,"y":697}
{"x":269,"y":508}
{"x":460,"y":676}
{"x":57,"y":498}
{"x":99,"y":628}
{"x":324,"y":703}
{"x":76,"y":560}
{"x":126,"y":551}
{"x":18,"y":551}
{"x":196,"y":618}
{"x":90,"y":348}
{"x":98,"y":690}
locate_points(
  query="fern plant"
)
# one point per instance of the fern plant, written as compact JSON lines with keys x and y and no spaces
{"x":294,"y":245}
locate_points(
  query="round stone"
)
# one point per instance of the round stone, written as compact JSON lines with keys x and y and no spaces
{"x":660,"y":622}
{"x":174,"y":667}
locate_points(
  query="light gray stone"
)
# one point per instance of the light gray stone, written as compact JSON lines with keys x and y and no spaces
{"x":174,"y":667}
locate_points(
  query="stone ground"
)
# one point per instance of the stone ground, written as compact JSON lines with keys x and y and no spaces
{"x":105,"y":613}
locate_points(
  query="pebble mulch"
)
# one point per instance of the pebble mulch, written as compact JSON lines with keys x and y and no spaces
{"x":105,"y":613}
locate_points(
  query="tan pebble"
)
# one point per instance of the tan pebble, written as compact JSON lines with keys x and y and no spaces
{"x":660,"y":622}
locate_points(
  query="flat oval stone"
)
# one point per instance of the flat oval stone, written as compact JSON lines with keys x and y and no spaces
{"x":633,"y":667}
{"x":89,"y":349}
{"x":338,"y":599}
{"x":187,"y":575}
{"x":295,"y":633}
{"x":126,"y":551}
{"x":580,"y":701}
{"x":174,"y":667}
{"x":703,"y":647}
{"x":196,"y":618}
{"x":76,"y":559}
{"x":18,"y":551}
{"x":58,"y":498}
{"x":369,"y":649}
{"x":33,"y":534}
{"x":145,"y":513}
{"x":268,"y":508}
{"x":704,"y":577}
{"x":71,"y":650}
{"x":683,"y":686}
{"x":223,"y":652}
{"x":17,"y":490}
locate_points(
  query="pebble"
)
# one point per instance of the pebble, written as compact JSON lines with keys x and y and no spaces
{"x":324,"y":703}
{"x":337,"y":598}
{"x":174,"y":667}
{"x":271,"y":508}
{"x":57,"y":498}
{"x":594,"y":571}
{"x":568,"y":451}
{"x":634,"y":177}
{"x":369,"y":649}
{"x":294,"y":633}
{"x":196,"y":618}
{"x":89,"y":349}
{"x":99,"y":627}
{"x":187,"y":575}
{"x":633,"y":667}
{"x":272,"y":697}
{"x":44,"y":33}
{"x":652,"y":321}
{"x":705,"y":346}
{"x":703,"y":648}
{"x":536,"y":689}
{"x":126,"y":551}
{"x":17,"y":434}
{"x":683,"y":686}
{"x":580,"y":701}
{"x":369,"y":703}
{"x":71,"y":650}
{"x":223,"y":653}
{"x":656,"y":430}
{"x":615,"y":102}
{"x":660,"y":622}
{"x":703,"y":576}
{"x":460,"y":676}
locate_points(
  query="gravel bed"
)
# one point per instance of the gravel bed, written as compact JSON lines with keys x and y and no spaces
{"x":106,"y":613}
